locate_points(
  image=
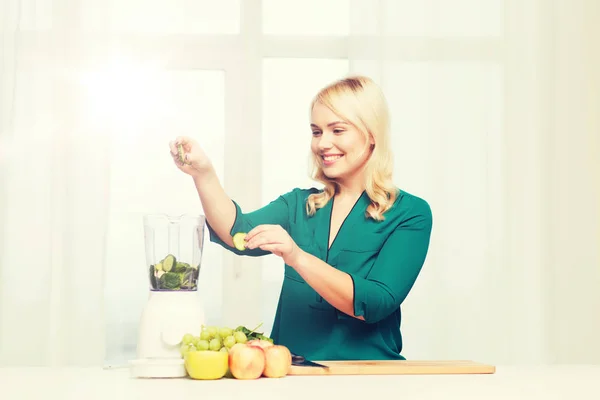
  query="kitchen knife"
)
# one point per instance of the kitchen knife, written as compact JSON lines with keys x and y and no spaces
{"x":303,"y":362}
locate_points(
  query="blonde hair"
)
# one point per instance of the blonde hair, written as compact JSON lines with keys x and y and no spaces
{"x":360,"y":102}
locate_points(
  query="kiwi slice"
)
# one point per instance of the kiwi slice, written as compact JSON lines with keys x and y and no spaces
{"x":169,"y":262}
{"x":181,"y":155}
{"x":238,"y":241}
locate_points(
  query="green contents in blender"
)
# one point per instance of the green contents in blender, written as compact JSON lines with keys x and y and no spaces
{"x":170,"y":274}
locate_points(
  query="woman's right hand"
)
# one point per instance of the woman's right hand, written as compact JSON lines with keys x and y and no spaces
{"x":196,"y":162}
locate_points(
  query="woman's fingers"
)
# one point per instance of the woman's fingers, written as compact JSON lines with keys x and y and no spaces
{"x":256,"y":241}
{"x":258,"y":230}
{"x":183,"y":140}
{"x":273,"y":248}
{"x":173,"y":148}
{"x":263,"y":238}
{"x":176,"y":159}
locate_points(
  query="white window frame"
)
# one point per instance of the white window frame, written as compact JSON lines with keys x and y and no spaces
{"x":240,"y":57}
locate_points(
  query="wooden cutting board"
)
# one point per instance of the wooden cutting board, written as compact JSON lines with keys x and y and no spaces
{"x":395,"y":367}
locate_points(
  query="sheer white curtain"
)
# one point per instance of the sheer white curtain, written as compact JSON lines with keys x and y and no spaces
{"x":54,"y":199}
{"x":495,"y":123}
{"x":87,"y":112}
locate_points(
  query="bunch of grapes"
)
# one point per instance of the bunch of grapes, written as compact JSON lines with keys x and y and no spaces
{"x":212,"y":338}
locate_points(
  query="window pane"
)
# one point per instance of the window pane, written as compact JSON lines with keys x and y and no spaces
{"x":444,"y":18}
{"x":26,"y":217}
{"x":307,"y":17}
{"x":447,"y":132}
{"x":26,"y":15}
{"x":286,"y":142}
{"x":445,"y":116}
{"x":164,"y":16}
{"x":152,"y":109}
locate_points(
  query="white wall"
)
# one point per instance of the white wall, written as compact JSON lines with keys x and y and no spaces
{"x":573,"y":182}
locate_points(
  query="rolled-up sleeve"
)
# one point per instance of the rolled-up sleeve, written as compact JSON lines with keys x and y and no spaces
{"x":395,"y":271}
{"x":276,"y":213}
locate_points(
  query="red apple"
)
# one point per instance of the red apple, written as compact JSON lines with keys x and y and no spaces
{"x":246,"y":362}
{"x":260,"y":343}
{"x":235,"y":346}
{"x":278,"y":361}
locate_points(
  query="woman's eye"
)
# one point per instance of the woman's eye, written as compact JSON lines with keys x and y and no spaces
{"x":338,"y":130}
{"x":315,"y":133}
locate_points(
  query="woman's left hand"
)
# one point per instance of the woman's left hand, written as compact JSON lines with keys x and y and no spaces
{"x":275,"y":239}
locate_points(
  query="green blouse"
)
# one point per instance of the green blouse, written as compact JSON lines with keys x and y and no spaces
{"x":382,"y":258}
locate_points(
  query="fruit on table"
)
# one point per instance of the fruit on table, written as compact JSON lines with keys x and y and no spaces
{"x":247,"y":362}
{"x":206,"y":364}
{"x":240,"y":337}
{"x":229,"y":341}
{"x":202,"y":345}
{"x":278,"y":361}
{"x":224,"y":332}
{"x":218,"y":338}
{"x":253,"y":360}
{"x":211,"y":331}
{"x":215,"y":344}
{"x":249,"y":353}
{"x":260,"y":343}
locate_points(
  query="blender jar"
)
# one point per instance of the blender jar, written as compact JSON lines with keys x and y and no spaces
{"x":174,"y":246}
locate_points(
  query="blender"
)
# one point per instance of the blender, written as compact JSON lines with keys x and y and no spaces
{"x":174,"y":246}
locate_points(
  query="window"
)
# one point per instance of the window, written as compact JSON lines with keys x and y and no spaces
{"x":430,"y":128}
{"x":441,"y":18}
{"x":33,"y":15}
{"x":29,"y":211}
{"x":201,"y":83}
{"x":307,"y":17}
{"x":188,"y":17}
{"x":145,"y":180}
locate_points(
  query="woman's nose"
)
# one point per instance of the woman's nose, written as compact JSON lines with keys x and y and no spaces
{"x":325,"y":141}
{"x":324,"y":145}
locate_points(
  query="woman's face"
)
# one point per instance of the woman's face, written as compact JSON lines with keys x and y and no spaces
{"x":336,"y":144}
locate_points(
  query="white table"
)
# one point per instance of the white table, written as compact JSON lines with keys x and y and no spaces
{"x":511,"y":382}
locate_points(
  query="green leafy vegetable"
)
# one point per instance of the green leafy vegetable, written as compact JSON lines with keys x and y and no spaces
{"x":170,"y":274}
{"x":252,"y":334}
{"x":189,"y":278}
{"x":181,"y":267}
{"x":170,"y":280}
{"x":153,"y":283}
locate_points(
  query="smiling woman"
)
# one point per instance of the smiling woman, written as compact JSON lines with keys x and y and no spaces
{"x":327,"y":296}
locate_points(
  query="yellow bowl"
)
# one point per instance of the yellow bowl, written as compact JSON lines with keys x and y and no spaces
{"x":206,"y":364}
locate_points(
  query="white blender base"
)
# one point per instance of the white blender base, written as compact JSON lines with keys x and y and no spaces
{"x":156,"y":368}
{"x":167,"y":316}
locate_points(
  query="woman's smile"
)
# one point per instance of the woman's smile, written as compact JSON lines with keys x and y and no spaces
{"x":330,"y":159}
